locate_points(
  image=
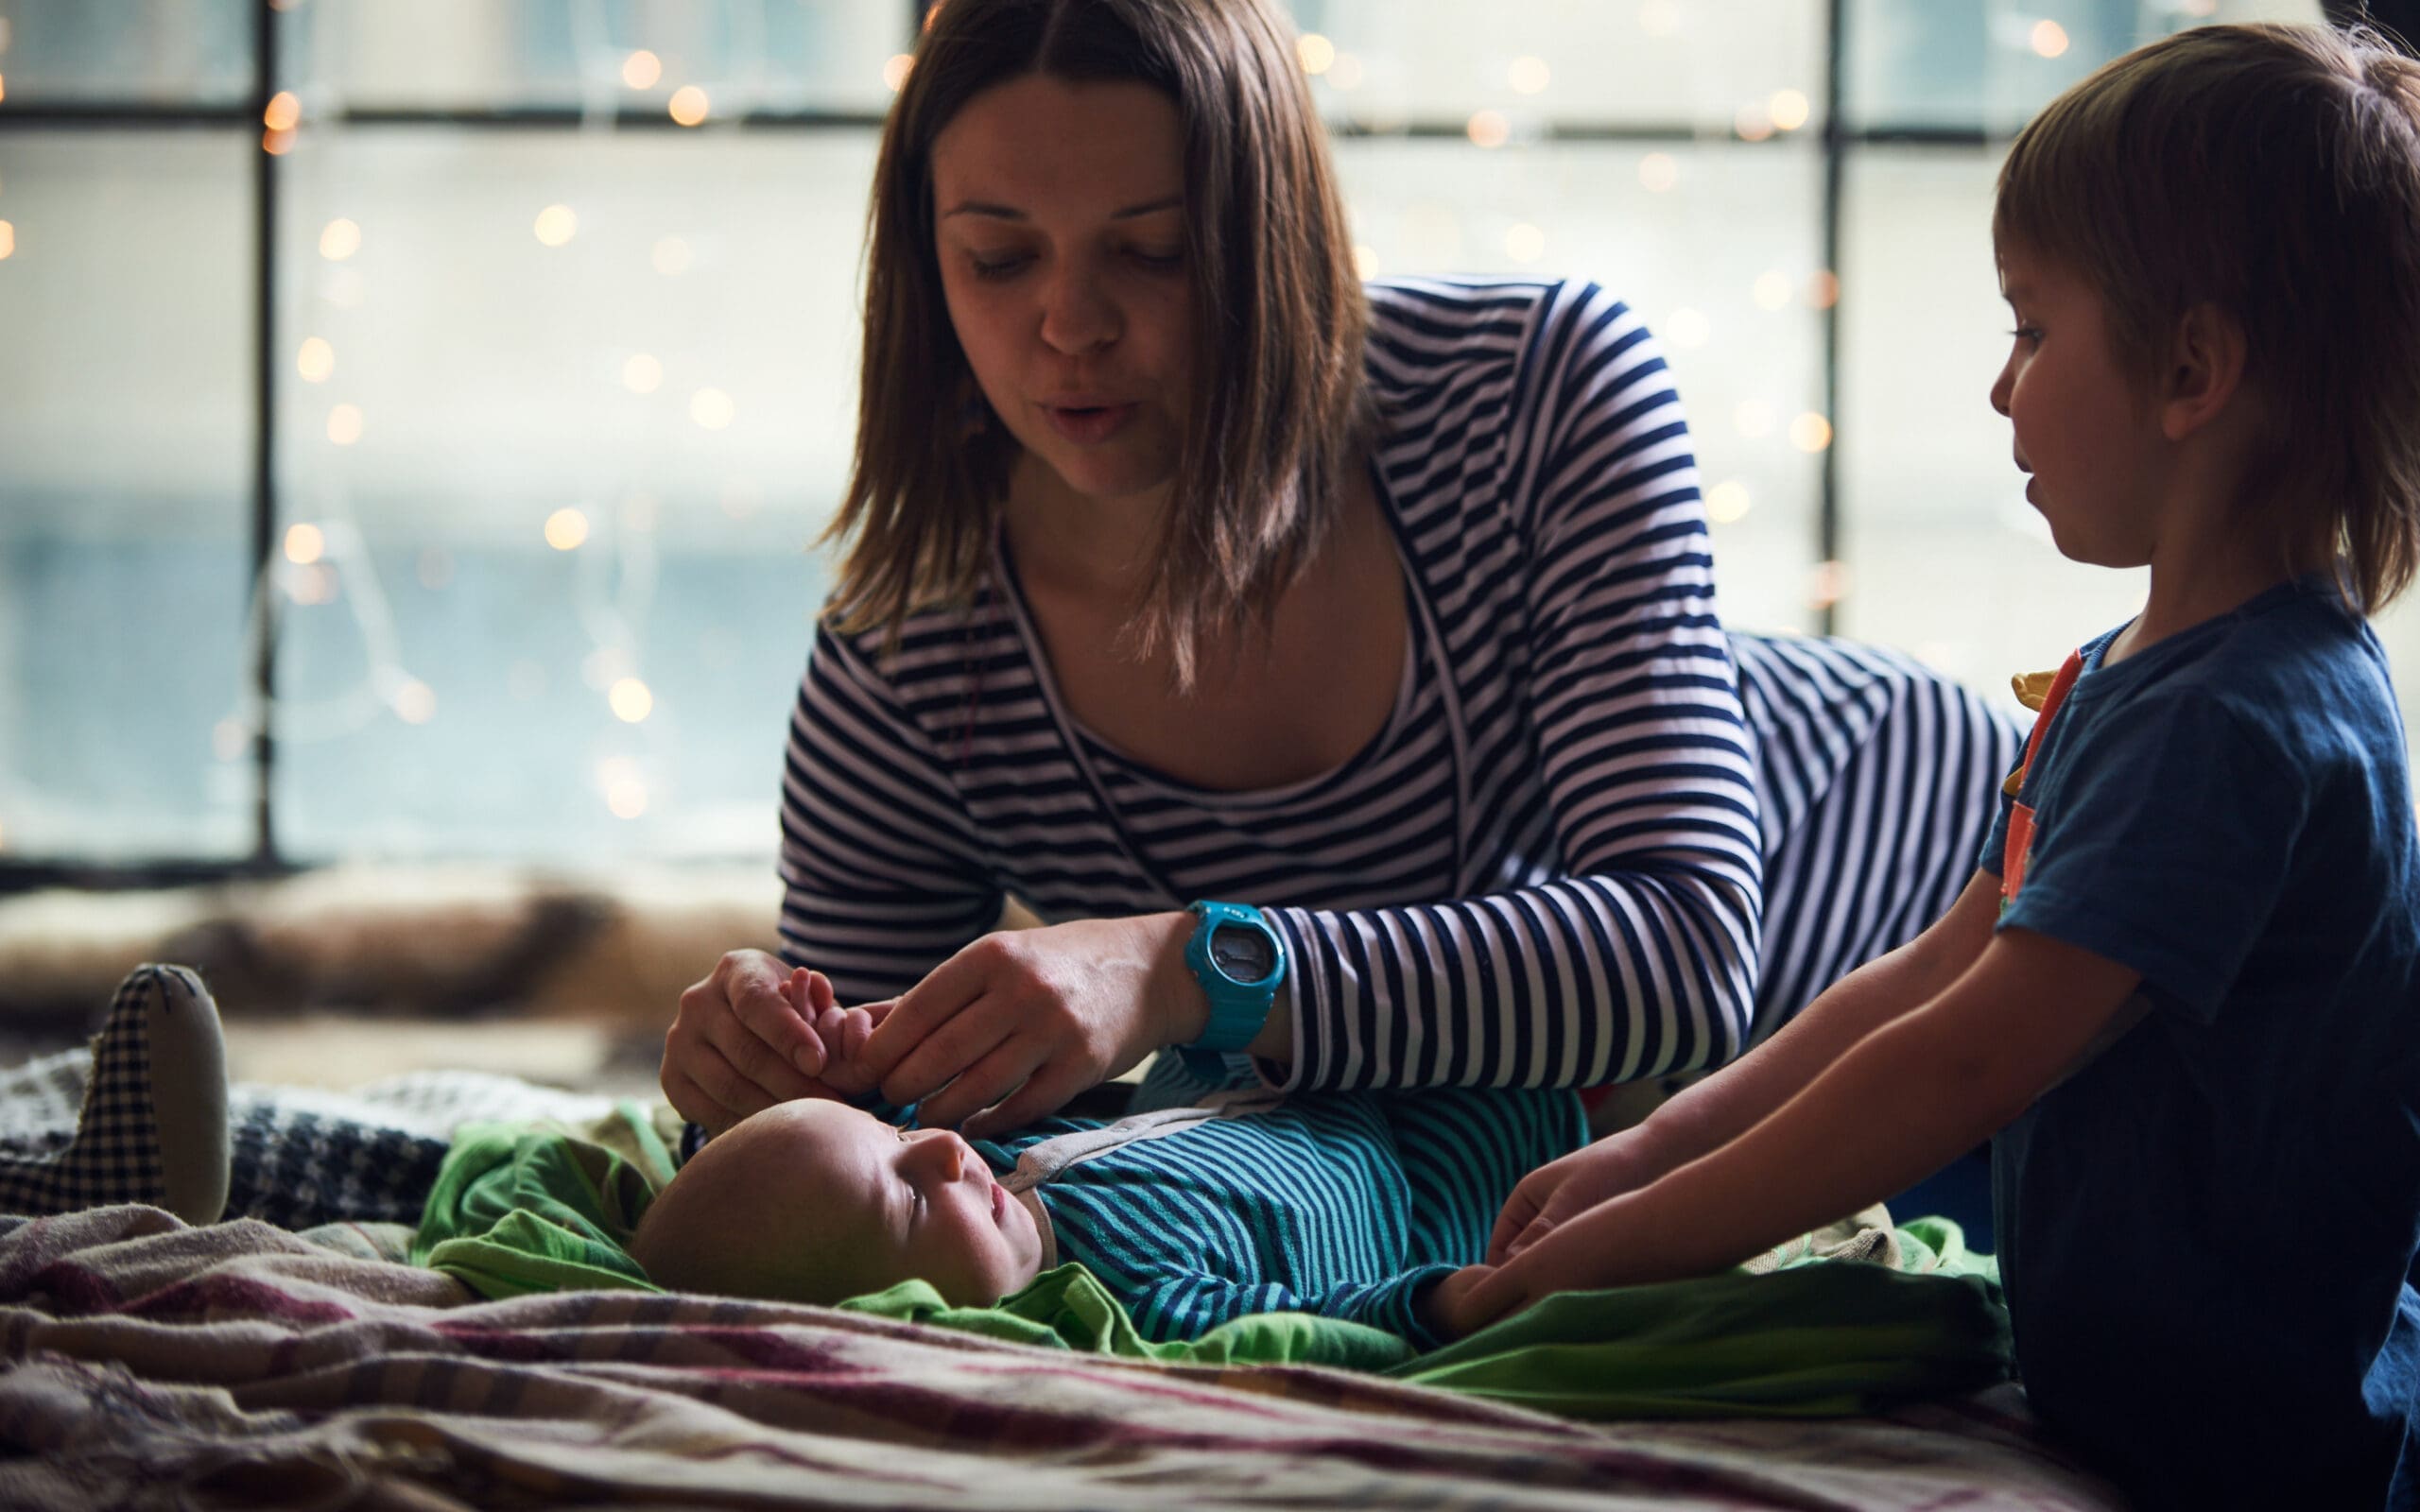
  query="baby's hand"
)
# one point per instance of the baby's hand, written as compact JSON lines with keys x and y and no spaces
{"x":1445,"y":1306}
{"x":843,"y":1031}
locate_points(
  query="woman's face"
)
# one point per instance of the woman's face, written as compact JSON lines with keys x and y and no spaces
{"x":1059,"y":218}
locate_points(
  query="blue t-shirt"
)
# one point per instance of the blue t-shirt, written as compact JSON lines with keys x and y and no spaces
{"x":2207,"y":1232}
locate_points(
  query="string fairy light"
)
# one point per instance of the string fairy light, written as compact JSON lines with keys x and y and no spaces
{"x":1727,"y":502}
{"x":340,"y":239}
{"x":340,"y":559}
{"x":630,"y":699}
{"x":1810,"y":432}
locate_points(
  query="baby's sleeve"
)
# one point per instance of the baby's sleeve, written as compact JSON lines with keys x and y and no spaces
{"x":1189,"y":1305}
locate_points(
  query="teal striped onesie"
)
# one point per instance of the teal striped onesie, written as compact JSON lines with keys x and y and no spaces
{"x":1341,"y":1204}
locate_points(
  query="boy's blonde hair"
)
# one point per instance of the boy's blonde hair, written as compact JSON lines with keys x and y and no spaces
{"x":2273,"y":172}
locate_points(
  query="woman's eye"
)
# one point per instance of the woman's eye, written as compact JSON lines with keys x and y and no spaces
{"x":1150,"y":258}
{"x":998,"y":266}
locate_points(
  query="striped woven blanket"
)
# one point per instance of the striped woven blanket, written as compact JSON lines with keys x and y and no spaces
{"x":144,"y":1363}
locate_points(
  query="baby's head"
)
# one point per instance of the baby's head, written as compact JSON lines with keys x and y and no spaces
{"x":815,"y":1201}
{"x":2268,"y":175}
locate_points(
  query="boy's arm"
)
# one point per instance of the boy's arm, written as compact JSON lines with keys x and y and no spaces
{"x":1735,"y":1099}
{"x":1907,"y":1097}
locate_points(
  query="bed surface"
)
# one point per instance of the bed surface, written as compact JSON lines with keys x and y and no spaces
{"x":152,"y":1365}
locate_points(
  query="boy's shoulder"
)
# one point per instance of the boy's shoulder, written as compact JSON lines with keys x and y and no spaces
{"x":2294,"y":671}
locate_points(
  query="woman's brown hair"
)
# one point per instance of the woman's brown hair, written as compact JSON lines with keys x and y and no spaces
{"x":1280,"y":413}
{"x":2274,"y":173}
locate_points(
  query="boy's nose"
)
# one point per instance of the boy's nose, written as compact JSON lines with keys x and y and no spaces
{"x":2001,"y":385}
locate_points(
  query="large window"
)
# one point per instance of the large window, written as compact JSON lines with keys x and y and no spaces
{"x":416,"y":414}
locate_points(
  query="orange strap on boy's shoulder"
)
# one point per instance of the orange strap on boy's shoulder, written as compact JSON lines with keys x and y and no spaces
{"x":2033,"y":694}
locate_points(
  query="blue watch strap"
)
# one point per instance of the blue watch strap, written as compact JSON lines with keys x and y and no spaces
{"x":1237,"y":1007}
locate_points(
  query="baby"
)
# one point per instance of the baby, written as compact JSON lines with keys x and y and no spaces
{"x":1357,"y":1205}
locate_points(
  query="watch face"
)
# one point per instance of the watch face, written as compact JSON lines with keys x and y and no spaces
{"x":1243,"y":955}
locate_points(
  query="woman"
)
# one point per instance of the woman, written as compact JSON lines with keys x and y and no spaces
{"x":1182,"y":569}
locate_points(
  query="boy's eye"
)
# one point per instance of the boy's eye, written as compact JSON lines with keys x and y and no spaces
{"x":2027,"y":333}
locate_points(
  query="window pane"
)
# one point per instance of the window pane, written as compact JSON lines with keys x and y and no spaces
{"x":124,"y":491}
{"x":555,"y":487}
{"x":1715,"y":244}
{"x":1990,"y":64}
{"x":1948,"y":559}
{"x":746,"y":55}
{"x":161,"y":52}
{"x":1661,"y":62}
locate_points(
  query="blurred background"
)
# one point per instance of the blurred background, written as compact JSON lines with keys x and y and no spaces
{"x":415,"y":414}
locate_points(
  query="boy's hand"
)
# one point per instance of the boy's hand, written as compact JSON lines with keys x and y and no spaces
{"x":1555,"y":1194}
{"x":1600,"y":1248}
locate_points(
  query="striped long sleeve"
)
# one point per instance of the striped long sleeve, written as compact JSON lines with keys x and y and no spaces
{"x":1549,"y":867}
{"x":1602,"y":924}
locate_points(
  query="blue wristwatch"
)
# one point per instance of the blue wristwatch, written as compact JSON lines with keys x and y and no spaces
{"x":1239,"y":961}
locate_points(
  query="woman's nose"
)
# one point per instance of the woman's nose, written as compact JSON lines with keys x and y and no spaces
{"x":1078,"y":315}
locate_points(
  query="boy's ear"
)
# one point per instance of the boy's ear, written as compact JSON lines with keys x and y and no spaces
{"x":2204,"y":371}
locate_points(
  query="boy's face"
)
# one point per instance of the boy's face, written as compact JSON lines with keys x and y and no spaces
{"x":2084,"y":431}
{"x":859,"y":1206}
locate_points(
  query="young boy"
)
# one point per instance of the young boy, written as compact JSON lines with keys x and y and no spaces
{"x":1357,"y":1205}
{"x":2183,"y":989}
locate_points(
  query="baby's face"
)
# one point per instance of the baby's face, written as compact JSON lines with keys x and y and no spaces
{"x":861,"y":1206}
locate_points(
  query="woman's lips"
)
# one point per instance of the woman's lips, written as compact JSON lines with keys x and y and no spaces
{"x":1089,"y":424}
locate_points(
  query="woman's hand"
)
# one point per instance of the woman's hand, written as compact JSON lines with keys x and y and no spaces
{"x":744,"y":1038}
{"x":1021,"y":1021}
{"x":1555,"y":1194}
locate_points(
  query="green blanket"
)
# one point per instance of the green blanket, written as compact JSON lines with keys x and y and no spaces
{"x":534,"y":1207}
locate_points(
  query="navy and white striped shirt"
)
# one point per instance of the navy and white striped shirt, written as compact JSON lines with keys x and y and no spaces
{"x":1553,"y":864}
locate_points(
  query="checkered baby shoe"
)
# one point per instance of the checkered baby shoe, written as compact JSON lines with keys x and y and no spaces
{"x":153,"y":1128}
